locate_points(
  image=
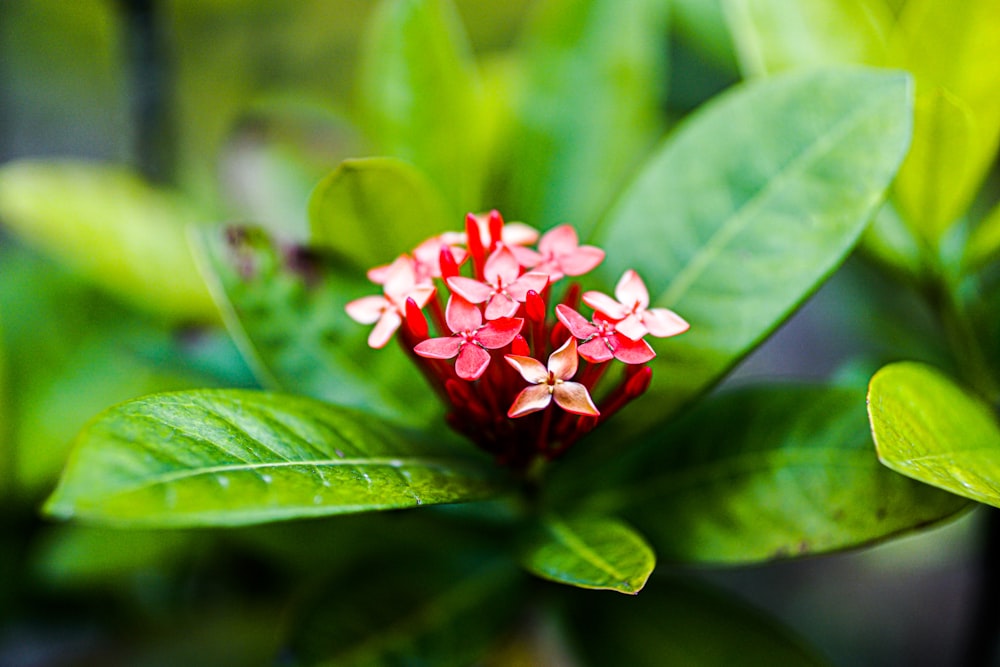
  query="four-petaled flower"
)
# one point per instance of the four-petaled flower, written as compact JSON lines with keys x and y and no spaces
{"x":560,"y":254}
{"x":387,"y":311}
{"x":504,"y":288}
{"x":471,"y":338}
{"x":602,"y":339}
{"x":630,"y":313}
{"x":552,"y":383}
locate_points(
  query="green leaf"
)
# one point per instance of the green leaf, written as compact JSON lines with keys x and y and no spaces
{"x":984,"y":243}
{"x":589,"y":107}
{"x":421,"y":96}
{"x":749,"y":206}
{"x":590,"y":552}
{"x":112,"y":228}
{"x":413,"y":611}
{"x":231,"y":457}
{"x":681,"y":622}
{"x":951,"y":51}
{"x":928,"y":428}
{"x":372,"y":210}
{"x":284,"y":306}
{"x":764,"y":473}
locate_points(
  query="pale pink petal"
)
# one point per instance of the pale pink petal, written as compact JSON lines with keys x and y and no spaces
{"x":501,"y":267}
{"x":439,"y":348}
{"x":384,"y":328}
{"x":563,"y":362}
{"x":462,"y":315}
{"x":577,"y":324}
{"x":499,"y":306}
{"x":499,"y":332}
{"x":472,"y":361}
{"x":471,"y":290}
{"x":559,"y":240}
{"x":378,"y":274}
{"x":529,"y":281}
{"x":632,"y":327}
{"x":518,"y":233}
{"x":582,"y":260}
{"x":526,"y":257}
{"x":630,"y":290}
{"x":632,"y":351}
{"x":596,"y":351}
{"x":530,"y":369}
{"x":603,"y":303}
{"x":400,"y":277}
{"x":367,"y":309}
{"x":531,"y":399}
{"x":421,"y":294}
{"x":574,"y":397}
{"x":663,"y":323}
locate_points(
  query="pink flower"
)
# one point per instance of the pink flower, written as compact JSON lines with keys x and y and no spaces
{"x":632,"y":317}
{"x":603,"y":341}
{"x":551,"y":383}
{"x":503,"y":288}
{"x":511,"y":234}
{"x":387,"y":311}
{"x":560,"y":254}
{"x":471,"y":339}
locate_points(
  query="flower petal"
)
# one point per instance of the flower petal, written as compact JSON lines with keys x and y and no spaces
{"x":603,"y":303}
{"x":499,"y":306}
{"x":631,"y":327}
{"x":563,"y":362}
{"x":630,"y":290}
{"x":631,"y":351}
{"x":400,"y":278}
{"x":530,"y":369}
{"x":535,"y":280}
{"x":462,"y":315}
{"x":663,"y":323}
{"x":501,"y":267}
{"x":499,"y":332}
{"x":518,"y":233}
{"x":367,"y":309}
{"x":596,"y":351}
{"x":582,"y":260}
{"x":471,"y":290}
{"x":526,"y":257}
{"x":531,"y":399}
{"x":577,"y":324}
{"x":559,"y":240}
{"x":384,"y":328}
{"x":574,"y":397}
{"x":439,"y":348}
{"x":472,"y":361}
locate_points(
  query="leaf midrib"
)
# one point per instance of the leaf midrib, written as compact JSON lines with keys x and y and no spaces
{"x":572,"y":541}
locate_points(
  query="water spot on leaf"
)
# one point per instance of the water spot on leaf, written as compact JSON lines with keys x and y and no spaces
{"x":395,"y":463}
{"x":318,"y":499}
{"x":338,"y":453}
{"x":267,"y":479}
{"x":223,"y":481}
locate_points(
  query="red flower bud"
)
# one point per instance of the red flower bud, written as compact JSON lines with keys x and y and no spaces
{"x":415,"y":320}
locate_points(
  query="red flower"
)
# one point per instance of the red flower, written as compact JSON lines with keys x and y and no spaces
{"x":552,"y":383}
{"x":387,"y":311}
{"x":503,"y":288}
{"x":632,"y":316}
{"x":602,"y":341}
{"x":471,"y":338}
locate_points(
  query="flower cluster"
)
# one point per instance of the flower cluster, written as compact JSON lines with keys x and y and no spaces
{"x":495,"y":323}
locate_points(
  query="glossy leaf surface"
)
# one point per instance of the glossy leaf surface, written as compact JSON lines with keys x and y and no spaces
{"x":928,"y":428}
{"x":374,"y":209}
{"x":765,"y":473}
{"x":590,"y":552}
{"x":420,"y":95}
{"x":111,"y":227}
{"x":681,"y":622}
{"x":593,"y":81}
{"x":749,"y":205}
{"x":284,"y":305}
{"x":229,"y":457}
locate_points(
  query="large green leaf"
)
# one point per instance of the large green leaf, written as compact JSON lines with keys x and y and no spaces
{"x":590,"y":552}
{"x":951,"y":50}
{"x":589,"y":106}
{"x":421,"y":96}
{"x":409,"y":611}
{"x":110,"y":226}
{"x":764,"y":473}
{"x":285,"y":307}
{"x":984,"y":243}
{"x":375,"y":209}
{"x":681,"y":622}
{"x":749,"y":205}
{"x":928,"y":428}
{"x":230,"y":457}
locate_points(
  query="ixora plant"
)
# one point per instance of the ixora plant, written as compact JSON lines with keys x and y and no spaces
{"x":730,"y":225}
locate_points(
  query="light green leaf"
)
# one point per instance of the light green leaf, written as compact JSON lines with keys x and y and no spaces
{"x":928,"y":428}
{"x":409,"y":611}
{"x":284,"y":306}
{"x":764,"y":473}
{"x":590,"y":552}
{"x":589,"y":107}
{"x":749,"y":206}
{"x":984,"y":243}
{"x":774,"y":36}
{"x":681,"y":622}
{"x":421,"y":96}
{"x":372,"y":210}
{"x":108,"y":225}
{"x":951,"y":51}
{"x":231,"y":457}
